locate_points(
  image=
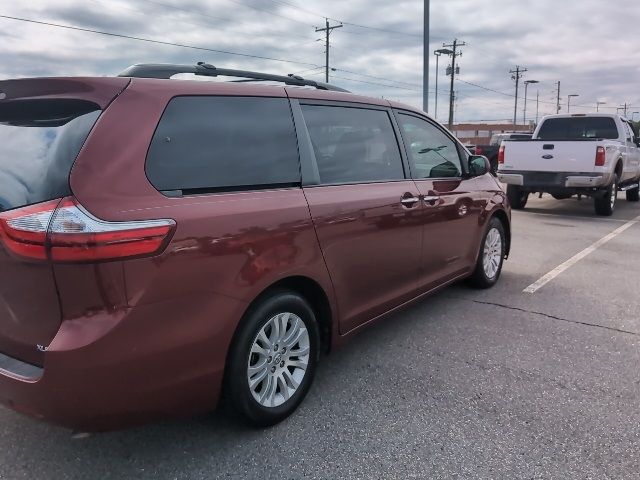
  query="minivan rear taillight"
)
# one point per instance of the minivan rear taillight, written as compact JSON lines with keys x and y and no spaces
{"x":601,"y":157}
{"x":64,"y":231}
{"x":501,"y":154}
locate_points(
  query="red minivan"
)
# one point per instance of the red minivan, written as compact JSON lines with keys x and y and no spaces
{"x":163,"y":242}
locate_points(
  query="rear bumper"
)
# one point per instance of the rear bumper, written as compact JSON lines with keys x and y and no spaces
{"x":555,"y":180}
{"x":125,"y":368}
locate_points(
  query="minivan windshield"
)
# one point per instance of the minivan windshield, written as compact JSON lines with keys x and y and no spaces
{"x":578,"y":128}
{"x":39,"y":141}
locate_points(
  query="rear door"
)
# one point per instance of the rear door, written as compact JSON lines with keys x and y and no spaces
{"x":451,"y":202}
{"x":633,"y":153}
{"x":365,"y":210}
{"x":43,"y":125}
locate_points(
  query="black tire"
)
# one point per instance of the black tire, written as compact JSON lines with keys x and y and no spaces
{"x":480,"y":278}
{"x":239,"y":394}
{"x":494,"y":165}
{"x":517,"y":197}
{"x":606,"y":204}
{"x":633,"y":195}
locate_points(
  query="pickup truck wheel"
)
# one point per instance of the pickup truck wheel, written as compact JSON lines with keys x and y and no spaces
{"x":633,"y":195}
{"x":606,"y":204}
{"x":491,"y":257}
{"x":517,"y":197}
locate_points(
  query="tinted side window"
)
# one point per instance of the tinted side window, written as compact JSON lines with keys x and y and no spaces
{"x":432,"y":153}
{"x":353,"y":145}
{"x":578,"y":128}
{"x":39,"y":141}
{"x":224,"y":143}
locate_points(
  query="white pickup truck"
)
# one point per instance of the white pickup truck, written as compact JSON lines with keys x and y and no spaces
{"x":594,"y":155}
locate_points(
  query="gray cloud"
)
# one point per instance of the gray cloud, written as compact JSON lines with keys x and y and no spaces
{"x":593,"y":55}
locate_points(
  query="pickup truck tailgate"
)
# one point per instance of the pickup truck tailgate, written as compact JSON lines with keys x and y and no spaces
{"x":550,"y":156}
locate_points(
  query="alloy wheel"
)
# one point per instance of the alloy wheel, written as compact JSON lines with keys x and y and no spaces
{"x":492,"y":253}
{"x":278,"y":359}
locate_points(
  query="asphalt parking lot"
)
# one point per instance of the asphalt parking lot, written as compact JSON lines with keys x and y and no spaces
{"x":465,"y":384}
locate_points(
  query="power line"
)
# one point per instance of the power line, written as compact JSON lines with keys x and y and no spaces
{"x":159,"y":42}
{"x":371,"y":83}
{"x":344,"y":22}
{"x":377,"y":78}
{"x":211,"y":17}
{"x":268,"y":12}
{"x":206,"y":49}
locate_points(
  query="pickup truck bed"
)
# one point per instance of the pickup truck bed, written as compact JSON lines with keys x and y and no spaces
{"x":601,"y":162}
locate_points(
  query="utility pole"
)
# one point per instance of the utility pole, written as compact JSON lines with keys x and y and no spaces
{"x":537,"y":106}
{"x":558,"y":102}
{"x":327,"y":29}
{"x":625,"y":109}
{"x":454,"y":54}
{"x":516,"y":75}
{"x":426,"y":50}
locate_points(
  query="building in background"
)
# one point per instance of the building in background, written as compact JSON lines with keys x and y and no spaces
{"x":480,"y":133}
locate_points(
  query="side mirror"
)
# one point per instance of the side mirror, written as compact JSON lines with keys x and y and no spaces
{"x":479,"y":165}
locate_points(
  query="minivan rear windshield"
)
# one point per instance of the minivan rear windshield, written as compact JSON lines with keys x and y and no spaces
{"x":39,"y":141}
{"x":578,"y":128}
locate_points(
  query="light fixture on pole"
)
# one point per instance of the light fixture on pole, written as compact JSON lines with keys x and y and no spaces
{"x":569,"y":97}
{"x":526,"y":87}
{"x":437,"y":53}
{"x":598,"y":105}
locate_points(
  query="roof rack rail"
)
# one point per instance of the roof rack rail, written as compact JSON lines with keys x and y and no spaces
{"x":161,"y":70}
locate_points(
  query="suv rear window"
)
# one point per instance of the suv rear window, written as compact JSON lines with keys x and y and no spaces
{"x":578,"y":128}
{"x":207,"y":143}
{"x":39,"y":141}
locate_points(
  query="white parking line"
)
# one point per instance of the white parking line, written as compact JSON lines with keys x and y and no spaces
{"x":542,"y":281}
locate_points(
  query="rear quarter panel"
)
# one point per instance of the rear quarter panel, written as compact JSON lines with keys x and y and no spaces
{"x":225,"y":246}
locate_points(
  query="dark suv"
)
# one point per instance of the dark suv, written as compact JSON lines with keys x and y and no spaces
{"x":164,"y":240}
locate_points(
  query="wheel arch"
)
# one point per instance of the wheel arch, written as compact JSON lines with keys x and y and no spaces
{"x":313,"y":293}
{"x":506,"y":224}
{"x":619,"y":168}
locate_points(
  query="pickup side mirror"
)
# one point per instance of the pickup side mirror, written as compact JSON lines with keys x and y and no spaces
{"x":479,"y":165}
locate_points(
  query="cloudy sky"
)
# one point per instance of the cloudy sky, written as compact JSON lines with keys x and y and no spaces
{"x":591,"y":46}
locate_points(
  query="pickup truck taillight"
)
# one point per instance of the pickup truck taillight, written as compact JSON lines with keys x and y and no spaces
{"x":601,"y":156}
{"x":501,"y":154}
{"x":63,"y":231}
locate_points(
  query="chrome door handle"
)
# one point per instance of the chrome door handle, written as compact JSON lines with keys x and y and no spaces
{"x":409,"y":201}
{"x":431,"y":200}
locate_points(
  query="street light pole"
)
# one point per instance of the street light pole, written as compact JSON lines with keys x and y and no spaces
{"x":526,"y":87}
{"x":537,"y":106}
{"x":598,"y":105}
{"x":425,"y":60}
{"x":569,"y":97}
{"x":437,"y":53}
